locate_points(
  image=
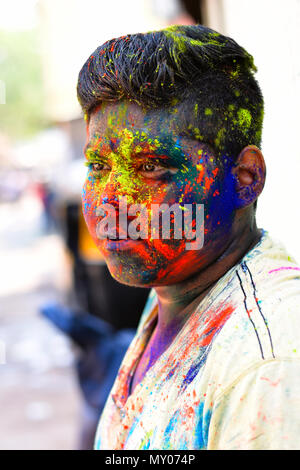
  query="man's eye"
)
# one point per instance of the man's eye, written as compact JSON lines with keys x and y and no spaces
{"x":98,"y":166}
{"x":149,"y":167}
{"x":156,"y":169}
{"x":152,"y":167}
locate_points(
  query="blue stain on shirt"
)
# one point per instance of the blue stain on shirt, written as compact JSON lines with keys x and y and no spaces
{"x":171,"y":372}
{"x":200,"y":430}
{"x":169,"y":429}
{"x":132,"y":429}
{"x":193,"y":371}
{"x":202,"y":422}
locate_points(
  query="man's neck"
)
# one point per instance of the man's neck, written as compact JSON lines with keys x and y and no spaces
{"x":178,"y":301}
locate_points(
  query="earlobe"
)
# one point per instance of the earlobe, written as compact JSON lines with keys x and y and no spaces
{"x":250,"y":174}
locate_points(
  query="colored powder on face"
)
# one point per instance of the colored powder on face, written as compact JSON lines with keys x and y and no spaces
{"x":196,"y":180}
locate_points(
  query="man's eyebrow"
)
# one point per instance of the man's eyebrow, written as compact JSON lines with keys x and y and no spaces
{"x":147,"y":151}
{"x":150,"y":148}
{"x":143,"y":149}
{"x":91,"y":148}
{"x":87,"y":148}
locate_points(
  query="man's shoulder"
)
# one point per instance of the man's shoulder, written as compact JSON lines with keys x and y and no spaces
{"x":270,"y":280}
{"x":265,"y":319}
{"x":264,"y":291}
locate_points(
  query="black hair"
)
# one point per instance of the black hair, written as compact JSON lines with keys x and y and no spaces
{"x":204,"y":75}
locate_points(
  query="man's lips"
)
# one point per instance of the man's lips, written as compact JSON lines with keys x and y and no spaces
{"x":118,"y":245}
{"x":112,"y":233}
{"x":116,"y":238}
{"x":115,"y":231}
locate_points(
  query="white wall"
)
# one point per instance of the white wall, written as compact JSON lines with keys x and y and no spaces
{"x":270,"y":31}
{"x":71,"y":30}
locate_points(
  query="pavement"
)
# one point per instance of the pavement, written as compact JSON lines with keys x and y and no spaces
{"x":39,"y":398}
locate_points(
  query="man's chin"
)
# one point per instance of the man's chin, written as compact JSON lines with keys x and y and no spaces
{"x":131,"y":269}
{"x":132,"y":277}
{"x":136,"y":274}
{"x":139,"y":263}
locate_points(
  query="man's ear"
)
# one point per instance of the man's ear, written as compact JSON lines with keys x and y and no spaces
{"x":250,"y":174}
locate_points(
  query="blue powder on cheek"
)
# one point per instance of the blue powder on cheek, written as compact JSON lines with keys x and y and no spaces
{"x":86,"y":207}
{"x":221,"y":208}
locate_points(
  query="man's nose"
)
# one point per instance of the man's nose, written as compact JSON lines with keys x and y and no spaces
{"x":113,"y":185}
{"x":113,"y":191}
{"x":111,"y":200}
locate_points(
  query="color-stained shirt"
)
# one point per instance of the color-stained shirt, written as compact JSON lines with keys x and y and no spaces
{"x":231,"y":377}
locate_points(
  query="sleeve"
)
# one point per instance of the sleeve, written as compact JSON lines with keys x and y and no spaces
{"x":260,"y":410}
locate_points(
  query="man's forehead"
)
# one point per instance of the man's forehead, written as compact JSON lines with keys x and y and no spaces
{"x":127,"y":120}
{"x":130,"y":142}
{"x":110,"y":117}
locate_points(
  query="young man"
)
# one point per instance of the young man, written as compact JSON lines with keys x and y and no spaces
{"x":174,"y":119}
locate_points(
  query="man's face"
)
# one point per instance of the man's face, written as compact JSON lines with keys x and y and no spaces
{"x":145,"y":157}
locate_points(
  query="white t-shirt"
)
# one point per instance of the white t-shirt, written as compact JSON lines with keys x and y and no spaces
{"x":231,"y":377}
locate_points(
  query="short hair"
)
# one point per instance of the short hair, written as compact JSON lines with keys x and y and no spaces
{"x":203,"y":75}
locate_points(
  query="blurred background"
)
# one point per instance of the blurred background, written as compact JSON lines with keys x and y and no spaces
{"x":61,"y":314}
